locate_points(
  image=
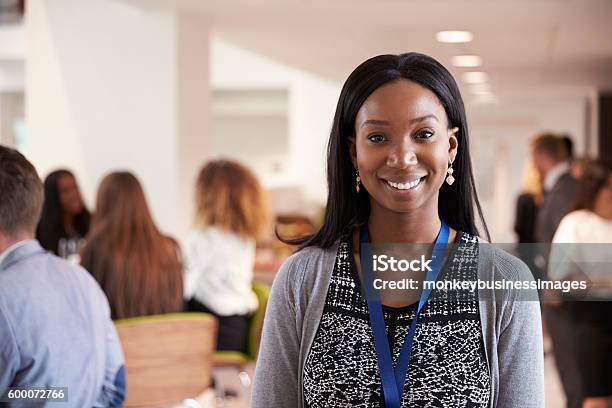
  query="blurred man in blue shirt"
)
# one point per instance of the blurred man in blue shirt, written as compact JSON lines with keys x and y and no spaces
{"x":55,"y":326}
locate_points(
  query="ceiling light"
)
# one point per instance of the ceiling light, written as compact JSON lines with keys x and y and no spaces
{"x":485,"y":99}
{"x":475,"y":77}
{"x":482,"y":87}
{"x":466,"y":61}
{"x":482,"y":93}
{"x":454,"y":36}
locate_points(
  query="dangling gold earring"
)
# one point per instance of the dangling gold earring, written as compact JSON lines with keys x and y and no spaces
{"x":357,"y":181}
{"x":450,"y":179}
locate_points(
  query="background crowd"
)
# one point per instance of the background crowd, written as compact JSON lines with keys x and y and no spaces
{"x":570,"y":202}
{"x":141,"y":271}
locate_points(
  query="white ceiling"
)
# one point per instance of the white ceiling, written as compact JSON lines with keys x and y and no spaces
{"x":528,"y":46}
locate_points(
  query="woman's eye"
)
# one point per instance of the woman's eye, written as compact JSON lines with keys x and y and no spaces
{"x":376,"y":138}
{"x":424,"y":134}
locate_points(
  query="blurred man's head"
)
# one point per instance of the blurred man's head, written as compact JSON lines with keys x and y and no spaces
{"x":21,"y":198}
{"x":547,"y":150}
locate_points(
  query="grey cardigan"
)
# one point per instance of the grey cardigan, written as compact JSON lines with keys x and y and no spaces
{"x":511,"y":327}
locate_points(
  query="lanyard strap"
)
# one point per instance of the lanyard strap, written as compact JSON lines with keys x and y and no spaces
{"x":393,"y":378}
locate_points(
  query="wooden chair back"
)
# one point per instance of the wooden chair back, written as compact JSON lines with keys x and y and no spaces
{"x":168,"y":357}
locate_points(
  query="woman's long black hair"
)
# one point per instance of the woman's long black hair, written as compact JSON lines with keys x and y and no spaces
{"x":345,"y":207}
{"x":51,"y":225}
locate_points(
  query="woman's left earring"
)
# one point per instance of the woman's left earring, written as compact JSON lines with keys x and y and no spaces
{"x":450,"y":179}
{"x":357,"y":181}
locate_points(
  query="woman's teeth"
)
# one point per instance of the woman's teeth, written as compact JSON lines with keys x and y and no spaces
{"x":404,"y":186}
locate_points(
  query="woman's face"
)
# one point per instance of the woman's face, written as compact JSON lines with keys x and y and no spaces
{"x":402,"y":146}
{"x":69,"y":195}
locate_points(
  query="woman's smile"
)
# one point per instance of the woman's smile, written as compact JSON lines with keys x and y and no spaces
{"x":407,"y":187}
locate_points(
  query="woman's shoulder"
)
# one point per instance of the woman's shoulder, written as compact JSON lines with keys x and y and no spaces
{"x":307,"y":268}
{"x":503,"y":274}
{"x":493,"y":261}
{"x":577,"y":216}
{"x":571,"y":224}
{"x":202,"y":232}
{"x":218,"y":237}
{"x":310,"y":255}
{"x":497,"y":263}
{"x":217,"y":234}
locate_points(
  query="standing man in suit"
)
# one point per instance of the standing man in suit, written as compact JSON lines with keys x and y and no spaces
{"x":551,"y":156}
{"x":55,"y":326}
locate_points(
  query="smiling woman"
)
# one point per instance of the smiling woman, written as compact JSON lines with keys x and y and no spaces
{"x":399,"y":171}
{"x":402,"y":150}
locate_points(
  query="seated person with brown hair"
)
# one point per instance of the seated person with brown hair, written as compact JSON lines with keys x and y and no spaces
{"x":139,"y":268}
{"x":232,"y":213}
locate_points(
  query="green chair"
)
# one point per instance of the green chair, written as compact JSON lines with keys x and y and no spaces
{"x":236,"y":358}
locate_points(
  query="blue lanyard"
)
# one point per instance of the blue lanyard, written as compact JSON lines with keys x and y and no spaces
{"x":393,"y":378}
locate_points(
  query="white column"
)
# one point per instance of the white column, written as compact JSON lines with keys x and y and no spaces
{"x":193,"y":101}
{"x":113,"y":87}
{"x":312,"y":105}
{"x":11,"y":109}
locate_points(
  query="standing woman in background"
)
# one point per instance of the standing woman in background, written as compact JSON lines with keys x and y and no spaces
{"x":399,"y":171}
{"x":527,"y":206}
{"x":231,"y":214}
{"x":588,"y":222}
{"x":64,"y":215}
{"x":139,"y":269}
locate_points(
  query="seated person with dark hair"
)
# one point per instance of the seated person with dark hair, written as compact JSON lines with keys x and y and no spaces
{"x":55,"y":326}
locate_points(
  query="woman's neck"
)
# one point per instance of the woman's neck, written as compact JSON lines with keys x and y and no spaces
{"x":69,"y":224}
{"x":602,"y":209}
{"x":419,"y":226}
{"x":603,"y":213}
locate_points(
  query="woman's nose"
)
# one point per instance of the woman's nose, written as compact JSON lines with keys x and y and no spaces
{"x":402,"y":157}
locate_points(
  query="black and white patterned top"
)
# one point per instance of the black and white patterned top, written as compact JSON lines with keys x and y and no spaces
{"x":448,"y":366}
